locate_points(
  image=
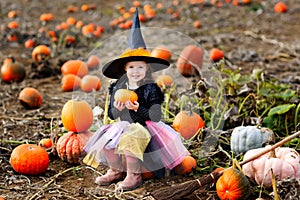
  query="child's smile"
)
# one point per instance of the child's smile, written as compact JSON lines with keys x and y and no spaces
{"x":136,"y":71}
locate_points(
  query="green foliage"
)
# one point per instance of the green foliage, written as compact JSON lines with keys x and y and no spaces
{"x":234,"y":99}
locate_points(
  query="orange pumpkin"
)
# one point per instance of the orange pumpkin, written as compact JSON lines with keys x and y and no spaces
{"x":190,"y":60}
{"x":29,"y":43}
{"x":197,"y":24}
{"x":187,"y":123}
{"x":46,"y":143}
{"x":280,"y":7}
{"x":186,"y":166}
{"x":90,"y":83}
{"x":146,"y":174}
{"x":40,"y":53}
{"x":161,"y":52}
{"x":76,"y":67}
{"x":70,"y":82}
{"x":233,"y":185}
{"x":77,"y":116}
{"x":124,"y":95}
{"x":216,"y":54}
{"x":164,"y":80}
{"x":30,"y":98}
{"x":12,"y":70}
{"x":93,"y":62}
{"x":69,"y":147}
{"x":29,"y":159}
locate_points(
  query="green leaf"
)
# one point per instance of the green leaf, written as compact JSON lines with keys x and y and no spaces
{"x":281,"y":109}
{"x":286,"y":94}
{"x":268,"y":122}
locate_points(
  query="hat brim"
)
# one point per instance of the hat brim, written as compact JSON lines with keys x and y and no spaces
{"x":116,"y":68}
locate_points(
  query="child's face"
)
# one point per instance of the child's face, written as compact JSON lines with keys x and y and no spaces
{"x":136,"y":70}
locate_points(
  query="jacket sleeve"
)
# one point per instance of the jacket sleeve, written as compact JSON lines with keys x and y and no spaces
{"x":113,"y":113}
{"x":152,"y":109}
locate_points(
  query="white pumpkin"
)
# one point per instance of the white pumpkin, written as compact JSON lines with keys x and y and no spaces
{"x":244,"y":138}
{"x":285,"y":164}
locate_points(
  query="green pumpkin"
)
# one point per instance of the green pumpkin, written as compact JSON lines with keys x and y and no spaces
{"x":244,"y":138}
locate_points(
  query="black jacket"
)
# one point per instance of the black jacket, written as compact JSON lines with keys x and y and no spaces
{"x":150,"y":98}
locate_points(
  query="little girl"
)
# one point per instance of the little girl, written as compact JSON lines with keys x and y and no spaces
{"x":139,"y":139}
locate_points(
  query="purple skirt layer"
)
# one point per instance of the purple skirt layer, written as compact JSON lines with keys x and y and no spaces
{"x":165,"y":149}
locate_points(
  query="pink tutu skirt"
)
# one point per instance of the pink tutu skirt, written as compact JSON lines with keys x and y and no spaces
{"x":165,"y":149}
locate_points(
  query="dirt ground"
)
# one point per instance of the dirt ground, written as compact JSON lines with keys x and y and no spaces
{"x":250,"y":38}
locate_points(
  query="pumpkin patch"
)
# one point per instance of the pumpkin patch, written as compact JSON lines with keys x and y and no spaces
{"x":251,"y":85}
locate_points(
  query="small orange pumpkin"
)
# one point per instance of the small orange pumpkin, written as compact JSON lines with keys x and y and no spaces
{"x":233,"y":185}
{"x":29,"y":159}
{"x":187,"y":123}
{"x":124,"y":95}
{"x":164,"y":80}
{"x":12,"y":70}
{"x":146,"y":174}
{"x":216,"y":54}
{"x":40,"y":53}
{"x":280,"y":7}
{"x":90,"y":83}
{"x":69,"y":147}
{"x":46,"y":143}
{"x":190,"y":60}
{"x":76,"y":67}
{"x":161,"y":52}
{"x":30,"y":98}
{"x":29,"y":43}
{"x":70,"y":82}
{"x":77,"y":116}
{"x":93,"y":62}
{"x":186,"y":166}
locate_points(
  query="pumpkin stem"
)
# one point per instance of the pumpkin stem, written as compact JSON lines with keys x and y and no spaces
{"x":12,"y":58}
{"x":190,"y":109}
{"x":271,"y":135}
{"x":272,"y":154}
{"x":235,"y":164}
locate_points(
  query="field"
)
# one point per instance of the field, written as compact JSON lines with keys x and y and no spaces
{"x":257,"y":83}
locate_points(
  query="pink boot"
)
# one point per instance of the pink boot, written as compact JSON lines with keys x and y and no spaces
{"x":112,"y":175}
{"x":134,"y":177}
{"x":115,"y":172}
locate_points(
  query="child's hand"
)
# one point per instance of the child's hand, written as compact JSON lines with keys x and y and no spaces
{"x":132,"y":106}
{"x":119,"y":105}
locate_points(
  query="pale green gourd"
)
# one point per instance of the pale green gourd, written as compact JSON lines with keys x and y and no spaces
{"x":244,"y":138}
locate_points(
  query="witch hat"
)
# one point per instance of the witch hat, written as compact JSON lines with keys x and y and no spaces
{"x":136,"y":52}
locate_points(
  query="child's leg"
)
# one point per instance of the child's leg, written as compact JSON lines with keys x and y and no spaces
{"x":115,"y":172}
{"x":134,"y":177}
